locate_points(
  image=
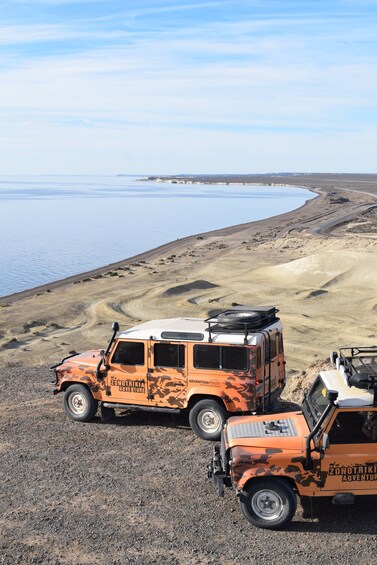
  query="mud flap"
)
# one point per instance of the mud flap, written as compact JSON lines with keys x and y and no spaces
{"x":107,"y":414}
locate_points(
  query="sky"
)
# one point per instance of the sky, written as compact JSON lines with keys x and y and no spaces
{"x":187,"y":86}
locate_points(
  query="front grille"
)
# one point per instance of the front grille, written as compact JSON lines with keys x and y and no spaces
{"x":223,"y":454}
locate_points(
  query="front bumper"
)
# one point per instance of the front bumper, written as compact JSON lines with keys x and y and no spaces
{"x":216,"y":472}
{"x":54,"y":369}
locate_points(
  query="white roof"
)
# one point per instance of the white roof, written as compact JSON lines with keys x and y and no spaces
{"x":154,"y":328}
{"x":349,"y":396}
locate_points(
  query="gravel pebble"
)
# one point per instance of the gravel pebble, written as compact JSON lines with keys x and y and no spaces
{"x":135,"y":491}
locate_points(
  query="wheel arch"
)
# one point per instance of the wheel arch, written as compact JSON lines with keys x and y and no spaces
{"x":284,"y":478}
{"x":196,"y":397}
{"x":66,"y":384}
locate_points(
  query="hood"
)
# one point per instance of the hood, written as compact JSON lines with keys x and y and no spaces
{"x":286,"y":431}
{"x":88,"y":358}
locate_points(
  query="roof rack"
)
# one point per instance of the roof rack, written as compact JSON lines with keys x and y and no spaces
{"x":241,"y":320}
{"x":360,"y":367}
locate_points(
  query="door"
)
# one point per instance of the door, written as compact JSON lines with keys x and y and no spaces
{"x":167,"y":377}
{"x":127,"y":375}
{"x":271,"y":368}
{"x":350,"y":461}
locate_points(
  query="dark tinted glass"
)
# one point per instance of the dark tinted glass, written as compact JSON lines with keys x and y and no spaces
{"x":129,"y":353}
{"x":207,"y":356}
{"x":218,"y":357}
{"x":234,"y":358}
{"x":270,"y":351}
{"x":183,"y":336}
{"x":354,"y":427}
{"x":169,"y":355}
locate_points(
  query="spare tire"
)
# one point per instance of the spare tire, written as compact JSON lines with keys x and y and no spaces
{"x":239,"y":320}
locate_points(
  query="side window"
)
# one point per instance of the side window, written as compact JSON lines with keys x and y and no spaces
{"x":354,"y":427}
{"x":218,"y":357}
{"x":234,"y":358}
{"x":129,"y":353}
{"x":169,"y":355}
{"x":207,"y":356}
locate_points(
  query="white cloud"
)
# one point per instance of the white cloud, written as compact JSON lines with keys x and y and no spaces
{"x":190,"y":95}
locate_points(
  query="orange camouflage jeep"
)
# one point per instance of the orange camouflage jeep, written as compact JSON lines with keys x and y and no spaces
{"x":327,"y":449}
{"x":230,"y":363}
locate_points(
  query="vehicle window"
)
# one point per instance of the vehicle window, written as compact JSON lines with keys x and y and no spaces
{"x":207,"y":356}
{"x":234,"y":358}
{"x":270,"y":349}
{"x":318,"y":397}
{"x":219,"y":357}
{"x":354,"y":427}
{"x":169,"y":355}
{"x":129,"y":353}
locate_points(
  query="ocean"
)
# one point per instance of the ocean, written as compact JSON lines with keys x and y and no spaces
{"x":52,"y":227}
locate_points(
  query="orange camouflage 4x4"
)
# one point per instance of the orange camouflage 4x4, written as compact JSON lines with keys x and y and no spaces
{"x":229,"y":363}
{"x":327,"y":449}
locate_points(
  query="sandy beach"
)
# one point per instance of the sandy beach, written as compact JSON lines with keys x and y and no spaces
{"x":316,"y":264}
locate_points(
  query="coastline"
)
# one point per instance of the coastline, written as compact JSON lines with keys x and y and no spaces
{"x":149,"y":253}
{"x":299,"y":260}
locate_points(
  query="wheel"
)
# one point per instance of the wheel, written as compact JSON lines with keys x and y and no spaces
{"x":207,"y":418}
{"x":79,"y":404}
{"x":268,"y":503}
{"x":239,"y":320}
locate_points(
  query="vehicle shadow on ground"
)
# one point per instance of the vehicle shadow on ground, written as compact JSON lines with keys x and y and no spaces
{"x":135,"y":417}
{"x":357,"y":518}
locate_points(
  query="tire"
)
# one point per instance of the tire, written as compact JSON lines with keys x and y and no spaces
{"x":239,"y":320}
{"x":268,"y":503}
{"x":79,"y":404}
{"x":207,"y":418}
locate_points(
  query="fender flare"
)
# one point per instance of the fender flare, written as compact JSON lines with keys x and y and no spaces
{"x":201,"y":394}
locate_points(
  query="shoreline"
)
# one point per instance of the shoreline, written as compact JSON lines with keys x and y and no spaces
{"x":327,"y":183}
{"x":151,"y":253}
{"x":317,"y":264}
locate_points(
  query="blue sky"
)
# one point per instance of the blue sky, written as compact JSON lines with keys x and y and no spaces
{"x":168,"y":87}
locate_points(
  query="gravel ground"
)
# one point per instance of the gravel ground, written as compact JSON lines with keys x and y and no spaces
{"x":135,"y":491}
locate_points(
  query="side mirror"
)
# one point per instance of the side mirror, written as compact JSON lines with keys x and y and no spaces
{"x":115,"y":327}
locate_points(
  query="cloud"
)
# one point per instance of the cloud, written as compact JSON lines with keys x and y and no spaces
{"x":302,"y":76}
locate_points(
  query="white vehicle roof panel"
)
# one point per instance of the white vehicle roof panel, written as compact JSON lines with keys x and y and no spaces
{"x":349,"y":396}
{"x":153,"y":329}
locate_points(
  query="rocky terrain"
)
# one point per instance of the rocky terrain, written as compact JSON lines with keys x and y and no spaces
{"x":134,"y":491}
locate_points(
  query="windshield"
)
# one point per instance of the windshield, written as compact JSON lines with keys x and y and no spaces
{"x":315,"y":402}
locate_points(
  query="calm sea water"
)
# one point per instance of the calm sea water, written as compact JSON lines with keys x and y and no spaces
{"x":53,"y":227}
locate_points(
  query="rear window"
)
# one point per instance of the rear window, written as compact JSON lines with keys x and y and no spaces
{"x":270,"y":350}
{"x":219,"y":357}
